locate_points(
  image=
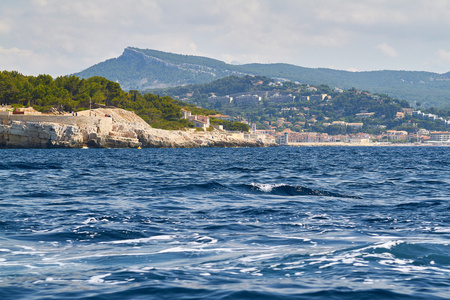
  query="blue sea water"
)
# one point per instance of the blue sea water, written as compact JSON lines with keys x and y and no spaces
{"x":225,"y":223}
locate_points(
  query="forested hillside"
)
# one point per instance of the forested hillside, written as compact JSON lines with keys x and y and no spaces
{"x":70,"y":93}
{"x":307,"y":107}
{"x":144,"y":69}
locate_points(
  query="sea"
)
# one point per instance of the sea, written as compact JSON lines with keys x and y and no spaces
{"x":225,"y":223}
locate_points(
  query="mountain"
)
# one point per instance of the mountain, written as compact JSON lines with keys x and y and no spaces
{"x":144,"y":69}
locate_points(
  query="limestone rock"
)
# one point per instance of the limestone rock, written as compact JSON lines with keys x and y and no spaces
{"x":107,"y":128}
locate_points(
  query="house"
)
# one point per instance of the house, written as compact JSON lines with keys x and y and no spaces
{"x":423,"y":132}
{"x":198,"y":120}
{"x":440,"y":136}
{"x":247,"y":100}
{"x":320,"y":97}
{"x":397,"y":135}
{"x":407,"y":111}
{"x":282,"y":98}
{"x":359,"y":140}
{"x":222,"y":100}
{"x":339,"y":123}
{"x":365,"y":115}
{"x":304,"y":98}
{"x":356,"y":125}
{"x":399,"y":115}
{"x":280,"y":122}
{"x":396,"y":132}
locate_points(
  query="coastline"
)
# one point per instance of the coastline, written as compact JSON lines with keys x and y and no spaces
{"x":340,"y":144}
{"x":107,"y":128}
{"x":118,"y":128}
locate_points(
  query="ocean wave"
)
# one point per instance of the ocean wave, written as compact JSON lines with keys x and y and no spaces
{"x":30,"y":166}
{"x":289,"y":190}
{"x":280,"y":189}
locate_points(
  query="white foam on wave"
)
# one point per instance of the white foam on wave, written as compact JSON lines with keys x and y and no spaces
{"x":384,"y":245}
{"x":58,"y":260}
{"x":205,"y":240}
{"x":139,"y":270}
{"x":90,"y":220}
{"x":410,"y":268}
{"x":258,"y":257}
{"x":98,"y":278}
{"x":248,"y":270}
{"x":441,"y":230}
{"x":363,"y":257}
{"x":291,"y":237}
{"x":396,"y":261}
{"x":32,"y":252}
{"x":142,"y":240}
{"x":266,"y":187}
{"x":186,"y":249}
{"x":26,"y":247}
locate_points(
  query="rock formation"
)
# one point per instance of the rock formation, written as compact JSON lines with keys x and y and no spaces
{"x":105,"y":128}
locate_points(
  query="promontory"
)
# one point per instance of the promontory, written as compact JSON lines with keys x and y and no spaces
{"x":107,"y":128}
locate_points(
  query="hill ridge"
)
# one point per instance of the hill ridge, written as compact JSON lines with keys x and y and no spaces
{"x":146,"y":69}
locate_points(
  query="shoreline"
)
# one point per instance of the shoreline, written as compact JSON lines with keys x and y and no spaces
{"x":107,"y":128}
{"x":365,"y":145}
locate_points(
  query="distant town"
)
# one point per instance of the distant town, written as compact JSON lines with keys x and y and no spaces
{"x":289,"y":137}
{"x":293,"y":113}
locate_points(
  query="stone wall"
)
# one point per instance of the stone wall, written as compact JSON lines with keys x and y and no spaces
{"x":81,"y":121}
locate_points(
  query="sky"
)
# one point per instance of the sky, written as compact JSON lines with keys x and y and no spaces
{"x":60,"y":37}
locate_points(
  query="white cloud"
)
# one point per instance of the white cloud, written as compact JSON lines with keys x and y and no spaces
{"x":386,"y":50}
{"x":13,"y":57}
{"x":443,"y":56}
{"x":4,"y":28}
{"x":16,"y":51}
{"x":72,"y":35}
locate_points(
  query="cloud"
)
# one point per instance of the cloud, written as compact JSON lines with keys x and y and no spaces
{"x":68,"y":36}
{"x":4,"y":28}
{"x":386,"y":50}
{"x":16,"y":51}
{"x":443,"y":56}
{"x":11,"y":58}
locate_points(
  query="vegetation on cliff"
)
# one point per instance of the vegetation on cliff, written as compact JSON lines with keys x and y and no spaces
{"x":70,"y":93}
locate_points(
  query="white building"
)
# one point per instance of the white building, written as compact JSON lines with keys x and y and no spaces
{"x":440,"y":136}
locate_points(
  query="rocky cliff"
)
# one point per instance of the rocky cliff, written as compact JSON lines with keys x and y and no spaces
{"x":106,"y":128}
